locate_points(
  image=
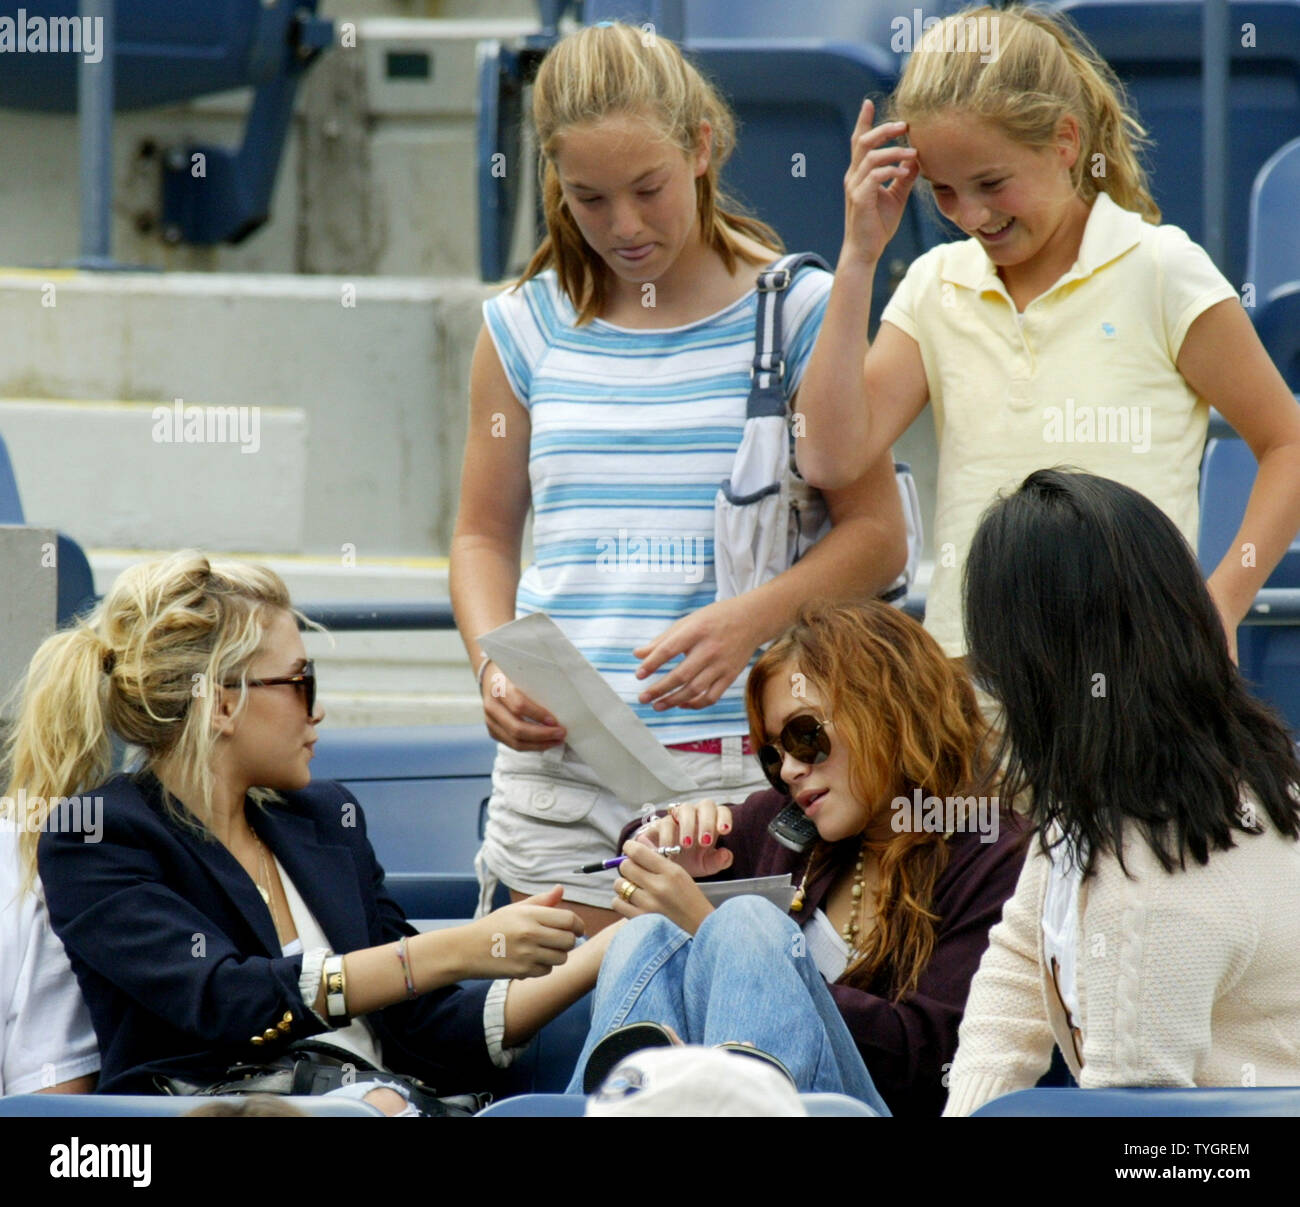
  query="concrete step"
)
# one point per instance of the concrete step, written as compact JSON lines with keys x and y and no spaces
{"x":360,"y":387}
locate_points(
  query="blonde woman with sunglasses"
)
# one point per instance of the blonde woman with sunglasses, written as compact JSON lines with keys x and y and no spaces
{"x":225,"y":906}
{"x":874,"y":737}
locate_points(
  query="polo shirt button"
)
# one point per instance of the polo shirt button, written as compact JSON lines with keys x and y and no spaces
{"x":1018,"y":393}
{"x":543,"y":799}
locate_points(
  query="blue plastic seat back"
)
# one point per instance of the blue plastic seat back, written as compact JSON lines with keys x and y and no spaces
{"x":124,"y":1106}
{"x":11,"y":503}
{"x":1155,"y":48}
{"x":1269,"y":656}
{"x":1273,"y":257}
{"x":422,"y":788}
{"x":536,"y":1106}
{"x":76,"y":580}
{"x":1142,"y":1103}
{"x":167,"y":50}
{"x":550,"y":1106}
{"x":1227,"y":478}
{"x":796,"y":106}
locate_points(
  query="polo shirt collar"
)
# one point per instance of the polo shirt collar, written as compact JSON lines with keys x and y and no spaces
{"x":1109,"y":233}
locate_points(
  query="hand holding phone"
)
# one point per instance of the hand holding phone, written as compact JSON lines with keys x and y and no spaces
{"x":793,"y":829}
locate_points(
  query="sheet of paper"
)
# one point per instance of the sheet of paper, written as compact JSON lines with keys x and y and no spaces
{"x":779,"y":890}
{"x":604,"y":732}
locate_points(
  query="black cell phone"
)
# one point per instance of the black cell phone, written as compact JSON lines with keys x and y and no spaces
{"x":792,"y":829}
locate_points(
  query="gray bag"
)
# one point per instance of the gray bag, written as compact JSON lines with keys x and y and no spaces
{"x":766,"y":517}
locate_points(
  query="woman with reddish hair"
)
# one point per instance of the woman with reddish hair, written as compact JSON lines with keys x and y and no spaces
{"x":865,"y":727}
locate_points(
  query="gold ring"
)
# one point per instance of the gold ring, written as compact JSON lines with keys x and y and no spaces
{"x":627,"y":890}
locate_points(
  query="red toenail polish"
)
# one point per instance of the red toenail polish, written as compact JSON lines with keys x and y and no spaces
{"x":686,"y":840}
{"x":708,"y":838}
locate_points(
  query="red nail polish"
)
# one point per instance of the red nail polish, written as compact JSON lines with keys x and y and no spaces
{"x":724,"y":828}
{"x":686,"y":840}
{"x":707,"y":839}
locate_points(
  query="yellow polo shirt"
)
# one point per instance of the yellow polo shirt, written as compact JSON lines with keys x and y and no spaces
{"x":1084,"y":378}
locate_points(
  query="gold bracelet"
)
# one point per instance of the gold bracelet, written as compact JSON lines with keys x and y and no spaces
{"x":336,"y":991}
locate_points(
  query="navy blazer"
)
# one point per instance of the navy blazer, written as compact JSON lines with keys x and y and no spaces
{"x":177,"y":955}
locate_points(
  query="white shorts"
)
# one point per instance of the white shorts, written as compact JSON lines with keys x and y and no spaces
{"x":549,"y":814}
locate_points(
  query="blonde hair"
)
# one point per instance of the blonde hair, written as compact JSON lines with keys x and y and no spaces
{"x":617,"y":70}
{"x":908,"y":718}
{"x":1041,"y":69}
{"x":141,"y":666}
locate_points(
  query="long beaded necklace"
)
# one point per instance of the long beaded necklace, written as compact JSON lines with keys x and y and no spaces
{"x":850,"y":931}
{"x":851,"y":927}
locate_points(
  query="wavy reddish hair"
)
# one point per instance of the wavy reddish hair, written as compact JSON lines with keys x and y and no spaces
{"x":908,"y":716}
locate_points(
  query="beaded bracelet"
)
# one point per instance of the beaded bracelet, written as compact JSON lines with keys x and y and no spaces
{"x":405,"y":961}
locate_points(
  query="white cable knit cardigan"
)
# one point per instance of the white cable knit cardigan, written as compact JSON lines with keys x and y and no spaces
{"x":1184,"y":979}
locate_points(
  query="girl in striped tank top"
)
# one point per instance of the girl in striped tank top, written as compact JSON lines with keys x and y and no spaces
{"x":607,"y":396}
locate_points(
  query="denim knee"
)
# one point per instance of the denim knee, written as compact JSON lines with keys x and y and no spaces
{"x":749,"y":920}
{"x":647,"y":931}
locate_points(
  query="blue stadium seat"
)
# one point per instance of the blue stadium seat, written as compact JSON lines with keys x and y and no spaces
{"x":535,"y":1106}
{"x":139,"y":1106}
{"x":76,"y":589}
{"x":1269,"y":655}
{"x":539,"y":1106}
{"x":76,"y":585}
{"x":422,"y":788}
{"x":1144,"y":1103}
{"x":11,"y":504}
{"x":796,"y":104}
{"x":1155,"y":48}
{"x":167,"y":51}
{"x":1273,"y":259}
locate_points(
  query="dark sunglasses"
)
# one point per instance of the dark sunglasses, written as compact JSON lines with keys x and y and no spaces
{"x":305,"y":679}
{"x":804,"y":739}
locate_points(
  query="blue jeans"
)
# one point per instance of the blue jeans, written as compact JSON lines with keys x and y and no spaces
{"x":745,"y":976}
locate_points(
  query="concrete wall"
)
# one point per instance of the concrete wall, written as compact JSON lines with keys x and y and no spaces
{"x":375,"y":370}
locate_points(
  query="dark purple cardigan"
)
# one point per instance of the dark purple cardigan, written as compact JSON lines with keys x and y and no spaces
{"x":908,"y":1047}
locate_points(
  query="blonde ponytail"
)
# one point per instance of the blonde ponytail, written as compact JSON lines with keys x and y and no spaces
{"x":142,"y":666}
{"x":60,"y":744}
{"x":1041,"y":69}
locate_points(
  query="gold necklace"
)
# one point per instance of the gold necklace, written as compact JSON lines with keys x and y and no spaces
{"x":265,"y":871}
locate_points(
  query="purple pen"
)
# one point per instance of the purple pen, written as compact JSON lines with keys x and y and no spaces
{"x":610,"y":864}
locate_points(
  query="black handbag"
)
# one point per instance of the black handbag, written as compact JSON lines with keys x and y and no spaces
{"x":310,"y":1067}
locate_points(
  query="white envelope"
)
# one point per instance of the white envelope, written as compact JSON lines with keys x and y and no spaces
{"x":603,"y":731}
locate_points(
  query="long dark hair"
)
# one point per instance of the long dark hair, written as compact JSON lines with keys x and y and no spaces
{"x":1087,"y":617}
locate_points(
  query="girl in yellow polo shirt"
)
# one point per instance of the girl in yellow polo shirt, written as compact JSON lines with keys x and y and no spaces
{"x":1070,"y":328}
